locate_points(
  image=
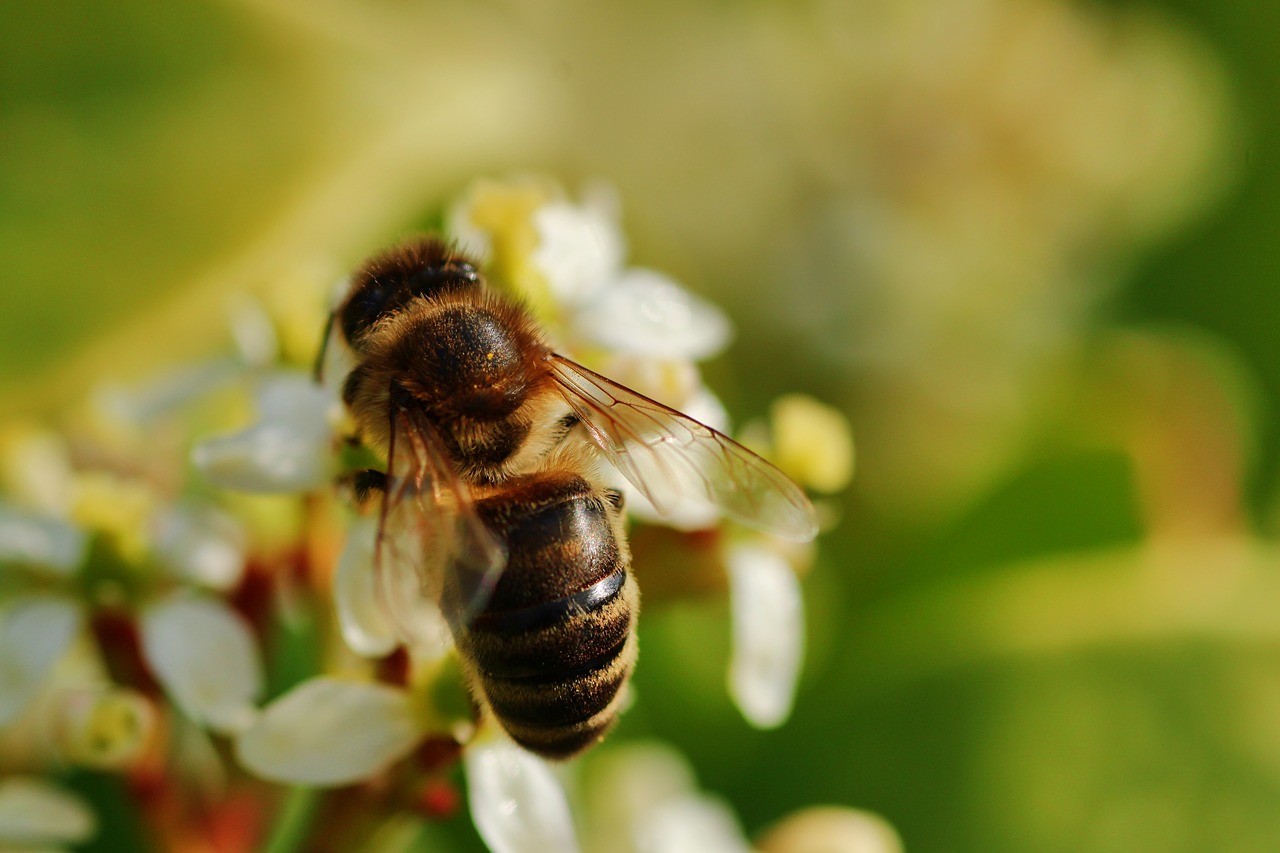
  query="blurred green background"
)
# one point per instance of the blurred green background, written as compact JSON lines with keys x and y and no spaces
{"x":1027,"y":246}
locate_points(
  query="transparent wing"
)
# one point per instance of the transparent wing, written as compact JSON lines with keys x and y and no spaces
{"x":670,"y":456}
{"x":435,"y":561}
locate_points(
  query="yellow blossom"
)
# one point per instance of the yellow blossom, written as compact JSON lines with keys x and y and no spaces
{"x":116,"y":507}
{"x":503,"y":211}
{"x":106,"y":729}
{"x":813,"y":443}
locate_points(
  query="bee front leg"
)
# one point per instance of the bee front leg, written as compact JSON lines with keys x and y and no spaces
{"x":363,"y":485}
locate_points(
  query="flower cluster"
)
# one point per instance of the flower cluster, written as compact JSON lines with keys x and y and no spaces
{"x":148,"y":615}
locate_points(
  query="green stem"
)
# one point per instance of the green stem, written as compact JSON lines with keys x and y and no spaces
{"x":293,"y":824}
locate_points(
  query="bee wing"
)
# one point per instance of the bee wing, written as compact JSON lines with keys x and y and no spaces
{"x":669,"y":456}
{"x":435,"y":560}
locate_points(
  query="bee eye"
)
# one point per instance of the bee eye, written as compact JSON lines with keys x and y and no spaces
{"x":388,"y":282}
{"x":436,"y":277}
{"x":371,"y":299}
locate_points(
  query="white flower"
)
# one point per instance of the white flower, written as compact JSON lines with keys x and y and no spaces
{"x":580,"y":249}
{"x":768,"y":633}
{"x":627,"y":311}
{"x":645,"y":313}
{"x":204,"y":654}
{"x":362,"y":613}
{"x":200,"y":650}
{"x":643,"y":798}
{"x":35,"y":814}
{"x":288,"y":450}
{"x":516,"y":802}
{"x":139,"y":406}
{"x":41,"y":540}
{"x":693,"y":823}
{"x":329,"y":731}
{"x":35,"y":632}
{"x":377,"y":610}
{"x":201,"y":545}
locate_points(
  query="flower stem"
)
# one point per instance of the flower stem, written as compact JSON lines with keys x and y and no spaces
{"x":293,"y":824}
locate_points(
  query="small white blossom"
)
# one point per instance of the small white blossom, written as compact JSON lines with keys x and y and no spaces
{"x":362,"y":615}
{"x":253,"y":332}
{"x":328,"y":731}
{"x":288,"y":450}
{"x":35,"y":632}
{"x":41,"y":540}
{"x":516,"y":802}
{"x":38,"y":814}
{"x":692,"y":823}
{"x":204,"y":654}
{"x":768,"y":634}
{"x":643,"y":798}
{"x":627,"y":311}
{"x":200,"y":545}
{"x":138,"y":406}
{"x":580,"y":249}
{"x":645,"y":313}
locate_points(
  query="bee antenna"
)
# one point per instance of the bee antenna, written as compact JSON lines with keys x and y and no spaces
{"x":317,"y":370}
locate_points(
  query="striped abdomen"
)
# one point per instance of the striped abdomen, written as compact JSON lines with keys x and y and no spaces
{"x":555,"y":643}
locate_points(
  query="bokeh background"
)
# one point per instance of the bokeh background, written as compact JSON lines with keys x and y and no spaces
{"x":1026,"y":245}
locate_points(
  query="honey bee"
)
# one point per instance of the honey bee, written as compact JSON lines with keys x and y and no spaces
{"x":494,"y":509}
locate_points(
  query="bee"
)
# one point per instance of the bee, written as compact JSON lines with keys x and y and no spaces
{"x":495,"y":511}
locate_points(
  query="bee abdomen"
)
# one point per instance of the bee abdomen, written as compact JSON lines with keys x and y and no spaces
{"x":553,"y":673}
{"x":560,"y":719}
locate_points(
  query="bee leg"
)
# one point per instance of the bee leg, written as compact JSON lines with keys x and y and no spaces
{"x":363,"y":485}
{"x":317,"y":369}
{"x":615,"y":497}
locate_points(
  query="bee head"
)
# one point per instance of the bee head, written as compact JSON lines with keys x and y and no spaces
{"x":426,"y":267}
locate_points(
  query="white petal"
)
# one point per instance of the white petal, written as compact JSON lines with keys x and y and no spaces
{"x":706,"y":407}
{"x":252,"y":330}
{"x":34,"y":633}
{"x":364,"y":622}
{"x":646,"y":313}
{"x":683,"y":511}
{"x":296,"y":399}
{"x":201,"y":545}
{"x":36,"y":812}
{"x":41,"y":540}
{"x":288,"y":450}
{"x":204,"y":654}
{"x":624,"y":785}
{"x":517,"y":803}
{"x":265,"y":458}
{"x":580,"y":249}
{"x":330,"y":732}
{"x":768,"y":634}
{"x":407,"y":594}
{"x":694,"y":823}
{"x":137,"y":406}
